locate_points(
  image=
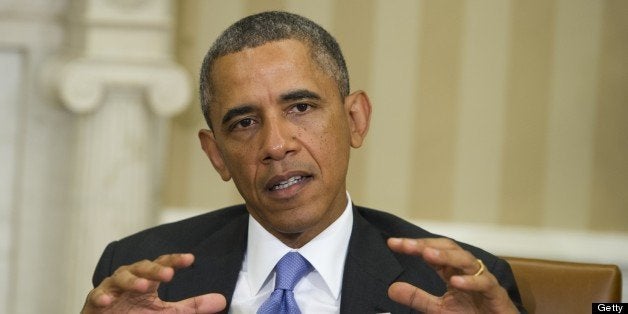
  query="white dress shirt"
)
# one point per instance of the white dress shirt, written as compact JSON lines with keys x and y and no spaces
{"x":317,"y":292}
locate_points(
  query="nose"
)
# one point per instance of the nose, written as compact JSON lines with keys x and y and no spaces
{"x":279,"y":139}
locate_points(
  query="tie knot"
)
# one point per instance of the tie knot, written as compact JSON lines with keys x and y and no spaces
{"x":290,"y":269}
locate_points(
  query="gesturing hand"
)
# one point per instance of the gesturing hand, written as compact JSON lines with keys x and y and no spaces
{"x":133,"y":289}
{"x":469,"y":289}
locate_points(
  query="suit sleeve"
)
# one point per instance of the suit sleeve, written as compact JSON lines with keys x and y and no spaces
{"x":104,"y":266}
{"x":502,"y":271}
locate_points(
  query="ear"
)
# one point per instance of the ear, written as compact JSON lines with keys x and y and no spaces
{"x":358,"y":108}
{"x":210,"y":147}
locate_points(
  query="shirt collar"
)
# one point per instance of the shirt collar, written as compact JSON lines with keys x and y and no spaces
{"x":264,"y":251}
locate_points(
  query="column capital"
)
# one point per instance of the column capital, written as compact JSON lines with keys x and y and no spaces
{"x":82,"y":83}
{"x":120,"y":44}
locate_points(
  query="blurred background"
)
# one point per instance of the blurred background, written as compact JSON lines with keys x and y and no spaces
{"x":502,"y":123}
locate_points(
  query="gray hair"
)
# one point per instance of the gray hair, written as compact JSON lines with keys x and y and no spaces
{"x":258,"y":29}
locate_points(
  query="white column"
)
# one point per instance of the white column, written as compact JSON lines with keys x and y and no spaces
{"x":11,"y":67}
{"x":122,"y":85}
{"x":34,"y":138}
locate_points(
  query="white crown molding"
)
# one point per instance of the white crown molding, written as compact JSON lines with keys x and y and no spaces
{"x":28,"y":8}
{"x":155,"y":13}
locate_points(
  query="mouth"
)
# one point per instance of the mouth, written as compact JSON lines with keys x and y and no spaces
{"x":287,"y":183}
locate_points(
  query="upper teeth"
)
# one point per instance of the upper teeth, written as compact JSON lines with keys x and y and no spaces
{"x":287,"y":183}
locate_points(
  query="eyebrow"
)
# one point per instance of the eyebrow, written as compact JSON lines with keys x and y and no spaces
{"x":236,"y":111}
{"x":299,"y":94}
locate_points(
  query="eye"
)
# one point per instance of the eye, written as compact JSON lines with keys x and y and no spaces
{"x":300,"y":107}
{"x":243,"y":124}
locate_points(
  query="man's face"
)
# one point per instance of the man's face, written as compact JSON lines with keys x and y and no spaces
{"x":282,"y":132}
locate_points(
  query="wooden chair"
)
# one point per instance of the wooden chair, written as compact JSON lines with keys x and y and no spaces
{"x":564,"y":287}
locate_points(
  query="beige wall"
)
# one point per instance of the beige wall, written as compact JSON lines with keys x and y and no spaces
{"x":506,"y":112}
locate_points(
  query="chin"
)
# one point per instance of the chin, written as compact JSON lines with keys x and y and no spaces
{"x":295,"y":222}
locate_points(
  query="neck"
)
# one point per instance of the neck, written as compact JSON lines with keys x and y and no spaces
{"x":298,"y":238}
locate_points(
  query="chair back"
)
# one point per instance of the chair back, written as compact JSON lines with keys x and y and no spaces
{"x":564,"y":287}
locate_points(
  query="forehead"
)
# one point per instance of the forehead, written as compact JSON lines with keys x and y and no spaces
{"x":269,"y":68}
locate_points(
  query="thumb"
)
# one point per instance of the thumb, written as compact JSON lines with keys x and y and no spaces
{"x":411,"y":296}
{"x":207,"y":303}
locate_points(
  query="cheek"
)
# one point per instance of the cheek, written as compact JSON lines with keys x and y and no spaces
{"x":317,"y":136}
{"x":241,"y":163}
{"x":335,"y":134}
{"x":330,"y":144}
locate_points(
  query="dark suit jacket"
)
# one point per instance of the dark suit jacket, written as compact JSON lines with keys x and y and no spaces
{"x":218,"y":241}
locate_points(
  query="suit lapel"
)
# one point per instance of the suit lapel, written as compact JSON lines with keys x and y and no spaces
{"x":369,"y":269}
{"x":218,"y":260}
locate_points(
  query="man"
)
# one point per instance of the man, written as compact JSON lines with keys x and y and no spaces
{"x":275,"y":94}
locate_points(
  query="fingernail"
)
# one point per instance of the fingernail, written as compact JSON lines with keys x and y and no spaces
{"x":394,"y":240}
{"x":457,"y":280}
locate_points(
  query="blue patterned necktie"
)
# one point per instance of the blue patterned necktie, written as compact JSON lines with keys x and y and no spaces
{"x":290,"y":269}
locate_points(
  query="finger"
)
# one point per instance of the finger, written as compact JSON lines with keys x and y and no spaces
{"x":439,"y":243}
{"x":162,"y":268}
{"x":98,"y":298}
{"x":123,"y":281}
{"x":447,"y":257}
{"x":151,"y":270}
{"x":460,"y":261}
{"x":176,"y":260}
{"x":487,"y":285}
{"x":416,"y":246}
{"x":411,"y":296}
{"x":141,"y":277}
{"x":406,"y":246}
{"x":207,"y":303}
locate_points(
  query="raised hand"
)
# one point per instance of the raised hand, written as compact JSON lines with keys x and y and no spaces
{"x":471,"y":288}
{"x":133,"y":289}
